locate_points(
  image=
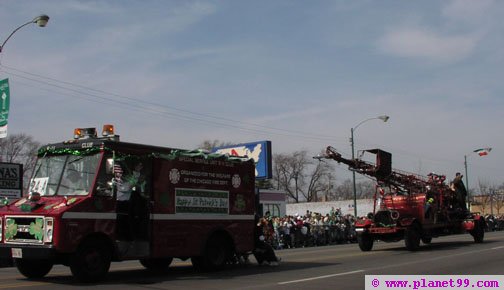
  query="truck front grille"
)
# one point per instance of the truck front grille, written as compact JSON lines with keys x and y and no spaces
{"x":24,"y":229}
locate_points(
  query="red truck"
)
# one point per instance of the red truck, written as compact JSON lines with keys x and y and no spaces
{"x":409,"y":207}
{"x":93,"y":200}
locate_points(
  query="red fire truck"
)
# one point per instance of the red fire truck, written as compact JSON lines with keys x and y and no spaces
{"x":409,"y":207}
{"x":93,"y":200}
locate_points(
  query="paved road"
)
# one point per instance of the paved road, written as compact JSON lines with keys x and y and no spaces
{"x":328,"y":267}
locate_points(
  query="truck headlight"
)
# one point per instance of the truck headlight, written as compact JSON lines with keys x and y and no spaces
{"x":48,"y":229}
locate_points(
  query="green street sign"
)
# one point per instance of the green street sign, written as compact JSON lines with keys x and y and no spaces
{"x":4,"y":106}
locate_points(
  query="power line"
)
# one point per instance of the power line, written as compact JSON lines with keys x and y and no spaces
{"x":143,"y":106}
{"x":183,"y":114}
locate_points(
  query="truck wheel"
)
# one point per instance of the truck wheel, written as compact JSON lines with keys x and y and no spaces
{"x":479,"y":231}
{"x":33,"y":269}
{"x":198,"y":263}
{"x":217,"y":253}
{"x":91,"y":262}
{"x":159,"y":264}
{"x":412,"y":238}
{"x":365,"y":242}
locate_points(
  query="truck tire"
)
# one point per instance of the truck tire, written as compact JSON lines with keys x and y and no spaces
{"x":412,"y":238}
{"x":217,"y":253}
{"x":365,"y":242}
{"x":91,"y":262}
{"x":158,"y":264}
{"x":479,"y":231}
{"x":33,"y":269}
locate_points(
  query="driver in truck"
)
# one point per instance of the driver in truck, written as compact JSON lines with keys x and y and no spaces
{"x":72,"y":182}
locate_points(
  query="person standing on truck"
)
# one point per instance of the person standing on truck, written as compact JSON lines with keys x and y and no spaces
{"x":123,"y":189}
{"x":137,"y":179}
{"x":123,"y":193}
{"x":460,"y":191}
{"x":138,"y":203}
{"x":132,"y":203}
{"x":428,"y":211}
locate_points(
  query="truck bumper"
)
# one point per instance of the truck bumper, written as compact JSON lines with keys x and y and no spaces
{"x":27,"y":252}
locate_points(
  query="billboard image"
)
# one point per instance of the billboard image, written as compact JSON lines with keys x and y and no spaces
{"x":259,"y":151}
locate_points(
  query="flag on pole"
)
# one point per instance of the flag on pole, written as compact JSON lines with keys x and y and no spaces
{"x":483,"y":151}
{"x":4,"y":106}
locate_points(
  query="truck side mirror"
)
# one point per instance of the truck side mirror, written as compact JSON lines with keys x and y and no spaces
{"x":105,"y":189}
{"x":109,"y":166}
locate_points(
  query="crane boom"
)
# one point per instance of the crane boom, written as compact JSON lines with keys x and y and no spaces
{"x":384,"y":174}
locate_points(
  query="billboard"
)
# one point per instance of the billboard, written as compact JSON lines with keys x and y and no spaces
{"x":11,"y":180}
{"x":259,"y":151}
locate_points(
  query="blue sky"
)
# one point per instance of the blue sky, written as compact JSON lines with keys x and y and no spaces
{"x":298,"y":73}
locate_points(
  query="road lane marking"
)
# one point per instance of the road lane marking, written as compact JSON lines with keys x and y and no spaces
{"x":496,"y":248}
{"x":428,"y":260}
{"x":17,"y":285}
{"x":320,"y":277}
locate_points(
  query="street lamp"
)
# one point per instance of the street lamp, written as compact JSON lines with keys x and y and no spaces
{"x":384,"y":118}
{"x":481,"y":152}
{"x":40,"y":20}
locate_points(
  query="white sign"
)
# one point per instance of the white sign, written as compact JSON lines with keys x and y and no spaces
{"x":11,"y":180}
{"x":39,"y":185}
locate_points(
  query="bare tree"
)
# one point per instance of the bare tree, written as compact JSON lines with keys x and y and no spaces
{"x":210,"y":144}
{"x":498,"y":202}
{"x":302,"y":177}
{"x":365,"y":189}
{"x":344,"y":190}
{"x":319,"y":180}
{"x":20,"y":148}
{"x":484,"y":202}
{"x":288,"y":171}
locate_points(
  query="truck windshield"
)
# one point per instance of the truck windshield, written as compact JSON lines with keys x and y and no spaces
{"x":64,"y":174}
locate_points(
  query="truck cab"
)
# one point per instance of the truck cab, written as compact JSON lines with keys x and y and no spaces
{"x":93,"y":200}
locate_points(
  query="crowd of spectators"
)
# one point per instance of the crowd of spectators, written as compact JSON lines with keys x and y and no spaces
{"x":310,"y":229}
{"x":494,"y":223}
{"x":315,"y":229}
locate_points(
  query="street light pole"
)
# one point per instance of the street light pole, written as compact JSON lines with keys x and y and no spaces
{"x":40,"y":20}
{"x":353,"y":174}
{"x":467,"y":185}
{"x":384,"y":118}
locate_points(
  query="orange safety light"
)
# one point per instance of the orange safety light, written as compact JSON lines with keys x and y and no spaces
{"x":81,"y":133}
{"x":108,"y":130}
{"x":78,"y":133}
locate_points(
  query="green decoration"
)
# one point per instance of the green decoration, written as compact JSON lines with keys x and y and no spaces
{"x":67,"y":151}
{"x":10,"y":229}
{"x":26,"y":207}
{"x":131,"y":179}
{"x":240,"y":202}
{"x":37,"y":229}
{"x":50,"y":206}
{"x":199,"y":153}
{"x":4,"y":201}
{"x":70,"y":201}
